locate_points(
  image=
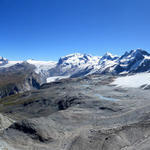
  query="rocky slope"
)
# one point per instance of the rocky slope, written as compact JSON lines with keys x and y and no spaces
{"x":84,"y":113}
{"x":5,"y":122}
{"x":18,"y":78}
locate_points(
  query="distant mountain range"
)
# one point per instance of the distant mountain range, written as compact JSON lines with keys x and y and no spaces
{"x":82,"y":64}
{"x":77,"y":64}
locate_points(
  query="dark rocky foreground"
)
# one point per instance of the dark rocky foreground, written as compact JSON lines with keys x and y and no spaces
{"x":84,"y":113}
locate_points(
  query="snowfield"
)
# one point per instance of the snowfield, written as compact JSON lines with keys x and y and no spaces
{"x":11,"y":63}
{"x":134,"y":81}
{"x":56,"y":78}
{"x":42,"y":65}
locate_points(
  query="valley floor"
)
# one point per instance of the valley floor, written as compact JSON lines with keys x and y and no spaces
{"x":87,"y":113}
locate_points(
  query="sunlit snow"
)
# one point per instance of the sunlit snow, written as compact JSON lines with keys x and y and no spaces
{"x":11,"y":63}
{"x":56,"y":78}
{"x":134,"y":81}
{"x":42,"y":65}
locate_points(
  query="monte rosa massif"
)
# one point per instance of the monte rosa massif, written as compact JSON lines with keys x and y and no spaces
{"x":75,"y":65}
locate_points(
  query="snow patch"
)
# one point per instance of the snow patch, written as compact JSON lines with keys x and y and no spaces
{"x":146,"y":57}
{"x":134,"y":81}
{"x":56,"y":78}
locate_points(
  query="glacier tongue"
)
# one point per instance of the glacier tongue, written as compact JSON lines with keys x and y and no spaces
{"x":42,"y":66}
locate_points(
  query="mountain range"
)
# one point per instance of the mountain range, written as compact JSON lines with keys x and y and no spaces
{"x":75,"y":65}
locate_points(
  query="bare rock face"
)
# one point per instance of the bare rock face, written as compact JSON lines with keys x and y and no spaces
{"x":5,"y":122}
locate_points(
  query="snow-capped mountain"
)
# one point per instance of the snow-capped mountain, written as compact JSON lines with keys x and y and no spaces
{"x":107,"y":63}
{"x":133,"y":62}
{"x":109,"y":56}
{"x":77,"y":64}
{"x":3,"y":61}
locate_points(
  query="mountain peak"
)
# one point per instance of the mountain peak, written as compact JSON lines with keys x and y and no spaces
{"x":72,"y":55}
{"x":3,"y":60}
{"x":109,"y":56}
{"x":139,"y":51}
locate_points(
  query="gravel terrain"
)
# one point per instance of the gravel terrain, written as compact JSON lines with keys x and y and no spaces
{"x":86,"y":113}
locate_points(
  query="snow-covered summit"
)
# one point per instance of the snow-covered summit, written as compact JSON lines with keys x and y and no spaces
{"x":134,"y":61}
{"x":79,"y":59}
{"x":109,"y":56}
{"x":77,"y":63}
{"x":138,"y":54}
{"x":3,"y":61}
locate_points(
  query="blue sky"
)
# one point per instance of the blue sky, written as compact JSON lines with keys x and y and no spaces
{"x":48,"y":29}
